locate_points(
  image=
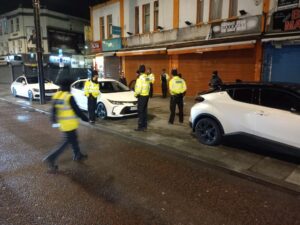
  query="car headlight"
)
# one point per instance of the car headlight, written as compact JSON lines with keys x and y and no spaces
{"x":115,"y":102}
{"x":35,"y":90}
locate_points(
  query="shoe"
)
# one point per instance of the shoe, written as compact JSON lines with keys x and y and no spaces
{"x":50,"y":164}
{"x":80,"y":156}
{"x":92,"y":122}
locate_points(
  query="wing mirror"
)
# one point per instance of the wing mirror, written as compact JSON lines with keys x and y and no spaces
{"x":23,"y":82}
{"x":199,"y":99}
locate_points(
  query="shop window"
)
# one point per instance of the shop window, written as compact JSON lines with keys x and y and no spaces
{"x":215,"y":11}
{"x":1,"y":33}
{"x":109,"y":26}
{"x":101,"y":28}
{"x":233,"y":8}
{"x":146,"y":18}
{"x":200,"y":7}
{"x":156,"y":14}
{"x":137,"y":19}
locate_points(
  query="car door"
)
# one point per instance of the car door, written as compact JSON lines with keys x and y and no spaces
{"x":278,"y":116}
{"x":78,"y":93}
{"x":22,"y":87}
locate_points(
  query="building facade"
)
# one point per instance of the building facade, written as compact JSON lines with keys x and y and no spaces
{"x":59,"y":31}
{"x":195,"y":36}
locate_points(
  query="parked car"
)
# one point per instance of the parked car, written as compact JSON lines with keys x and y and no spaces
{"x":11,"y":59}
{"x":115,"y":100}
{"x":267,"y":111}
{"x":29,"y":87}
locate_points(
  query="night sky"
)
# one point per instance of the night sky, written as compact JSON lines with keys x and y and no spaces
{"x":78,"y":8}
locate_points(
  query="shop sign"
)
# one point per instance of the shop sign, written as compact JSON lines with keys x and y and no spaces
{"x":287,"y":20}
{"x":96,"y":46}
{"x":112,"y":44}
{"x":287,"y":3}
{"x":240,"y":26}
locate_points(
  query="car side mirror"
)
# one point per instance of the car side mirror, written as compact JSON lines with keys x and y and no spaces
{"x":294,"y":110}
{"x":23,"y":82}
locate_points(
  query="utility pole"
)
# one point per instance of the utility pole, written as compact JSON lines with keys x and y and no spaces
{"x":39,"y":50}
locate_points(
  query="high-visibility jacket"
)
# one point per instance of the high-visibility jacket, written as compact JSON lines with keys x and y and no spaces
{"x":65,"y":115}
{"x":91,"y":88}
{"x":177,"y":86}
{"x":142,"y":85}
{"x":151,"y":78}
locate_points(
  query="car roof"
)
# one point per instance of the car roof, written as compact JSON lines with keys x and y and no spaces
{"x":99,"y":79}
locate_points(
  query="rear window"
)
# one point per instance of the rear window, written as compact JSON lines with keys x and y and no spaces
{"x":242,"y":95}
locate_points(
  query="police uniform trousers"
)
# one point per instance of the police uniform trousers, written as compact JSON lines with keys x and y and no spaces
{"x":151,"y":90}
{"x":142,"y":111}
{"x":69,"y":137}
{"x":92,"y":102}
{"x":176,"y":100}
{"x":164,"y":89}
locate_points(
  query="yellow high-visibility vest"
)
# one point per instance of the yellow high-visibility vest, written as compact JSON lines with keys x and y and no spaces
{"x":91,"y":88}
{"x":65,"y":115}
{"x":177,"y":86}
{"x":142,"y":85}
{"x":151,"y":78}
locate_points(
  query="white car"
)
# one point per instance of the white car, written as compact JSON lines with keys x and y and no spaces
{"x":268,"y":112}
{"x":115,"y":100}
{"x":28,"y":87}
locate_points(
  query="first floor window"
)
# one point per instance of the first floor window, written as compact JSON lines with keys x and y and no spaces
{"x":215,"y":9}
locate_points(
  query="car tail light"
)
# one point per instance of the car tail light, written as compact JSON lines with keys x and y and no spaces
{"x":199,"y":99}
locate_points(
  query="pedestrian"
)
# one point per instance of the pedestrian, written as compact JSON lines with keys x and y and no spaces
{"x":151,"y":77}
{"x":92,"y":91}
{"x":65,"y":113}
{"x":122,"y":78}
{"x":177,"y":87}
{"x":164,"y":83}
{"x":215,"y":81}
{"x":141,"y":90}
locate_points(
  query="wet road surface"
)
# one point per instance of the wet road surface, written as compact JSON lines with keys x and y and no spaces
{"x":122,"y":182}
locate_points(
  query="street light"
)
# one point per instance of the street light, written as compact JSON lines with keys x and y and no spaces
{"x":39,"y":50}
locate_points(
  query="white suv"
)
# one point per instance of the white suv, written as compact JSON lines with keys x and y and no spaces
{"x":269,"y":111}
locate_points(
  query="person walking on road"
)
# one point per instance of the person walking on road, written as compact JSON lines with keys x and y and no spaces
{"x":164,"y":78}
{"x":92,"y":91}
{"x":141,"y":91}
{"x":65,"y":113}
{"x":151,"y":77}
{"x":177,"y":87}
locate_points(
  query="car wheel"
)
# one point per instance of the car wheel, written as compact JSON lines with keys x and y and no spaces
{"x":101,"y":111}
{"x":208,"y":131}
{"x":30,"y":95}
{"x":14,"y":92}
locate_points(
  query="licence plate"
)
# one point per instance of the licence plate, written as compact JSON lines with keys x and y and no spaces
{"x":133,"y":108}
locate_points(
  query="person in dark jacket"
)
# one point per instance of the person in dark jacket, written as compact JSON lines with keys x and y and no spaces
{"x":164,"y":78}
{"x":65,"y":113}
{"x":215,"y":81}
{"x":122,"y":78}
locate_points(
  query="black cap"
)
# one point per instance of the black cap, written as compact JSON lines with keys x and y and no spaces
{"x":65,"y":84}
{"x":142,"y":69}
{"x":174,"y":72}
{"x":95,"y":73}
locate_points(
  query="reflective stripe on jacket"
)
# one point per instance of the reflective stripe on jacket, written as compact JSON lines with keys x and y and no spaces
{"x":177,"y":86}
{"x":91,"y":88}
{"x":65,"y":115}
{"x":142,"y":85}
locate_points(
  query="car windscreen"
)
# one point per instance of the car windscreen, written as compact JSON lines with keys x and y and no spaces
{"x":35,"y":80}
{"x":112,"y":87}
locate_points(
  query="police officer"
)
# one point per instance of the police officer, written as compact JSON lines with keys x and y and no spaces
{"x":92,"y":91}
{"x":65,"y":113}
{"x":177,"y":87}
{"x":164,"y":78}
{"x":151,"y":77}
{"x":141,"y":91}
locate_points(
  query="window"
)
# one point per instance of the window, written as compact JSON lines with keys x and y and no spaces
{"x":1,"y":32}
{"x":17,"y":24}
{"x":12,"y":26}
{"x":156,"y":14}
{"x":200,"y":7}
{"x":279,"y":100}
{"x":20,"y":46}
{"x":136,"y":22}
{"x":79,"y":85}
{"x":5,"y":27}
{"x":215,"y":11}
{"x":109,"y":26}
{"x":242,"y":95}
{"x":233,"y":8}
{"x":146,"y":18}
{"x":102,"y":30}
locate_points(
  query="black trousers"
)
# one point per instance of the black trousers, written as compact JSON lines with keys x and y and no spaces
{"x":151,"y":90}
{"x":164,"y":89}
{"x":92,"y":102}
{"x":142,"y":111}
{"x":176,"y":100}
{"x":69,"y":137}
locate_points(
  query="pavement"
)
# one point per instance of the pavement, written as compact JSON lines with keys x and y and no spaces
{"x":244,"y":160}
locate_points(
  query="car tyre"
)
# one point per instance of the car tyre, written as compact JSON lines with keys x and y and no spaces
{"x":208,"y":131}
{"x":101,"y":111}
{"x":30,"y":95}
{"x":14,"y":92}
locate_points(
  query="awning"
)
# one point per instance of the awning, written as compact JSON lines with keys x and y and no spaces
{"x":143,"y":52}
{"x":213,"y":47}
{"x":105,"y":54}
{"x":289,"y":38}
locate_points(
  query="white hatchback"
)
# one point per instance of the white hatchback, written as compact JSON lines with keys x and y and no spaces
{"x":269,"y":112}
{"x":28,"y":87}
{"x":115,"y":100}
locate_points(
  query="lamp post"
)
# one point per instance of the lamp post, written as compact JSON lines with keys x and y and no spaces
{"x":39,"y":50}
